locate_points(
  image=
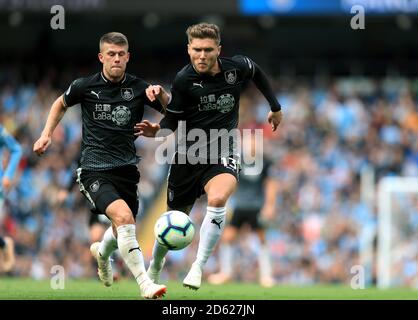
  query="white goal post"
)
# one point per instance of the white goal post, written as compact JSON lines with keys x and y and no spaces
{"x":386,"y":187}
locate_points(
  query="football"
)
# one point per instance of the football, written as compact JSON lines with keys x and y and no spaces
{"x":174,"y":230}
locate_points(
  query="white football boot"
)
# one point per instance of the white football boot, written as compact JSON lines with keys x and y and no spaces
{"x":104,"y":269}
{"x":193,"y":279}
{"x":151,"y":290}
{"x":154,"y":273}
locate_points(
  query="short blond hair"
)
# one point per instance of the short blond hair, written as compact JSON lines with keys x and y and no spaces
{"x":114,"y":38}
{"x":204,"y":31}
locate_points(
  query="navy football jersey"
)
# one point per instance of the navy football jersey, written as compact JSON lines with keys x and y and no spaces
{"x":210,"y":104}
{"x":109,"y":111}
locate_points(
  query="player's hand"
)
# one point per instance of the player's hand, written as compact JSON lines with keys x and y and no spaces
{"x":146,"y":129}
{"x":7,"y":184}
{"x":274,"y":118}
{"x":154,"y":92}
{"x":157,"y":92}
{"x":41,"y":145}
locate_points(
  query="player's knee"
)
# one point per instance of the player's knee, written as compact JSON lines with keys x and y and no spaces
{"x":217,"y":200}
{"x":123,"y":218}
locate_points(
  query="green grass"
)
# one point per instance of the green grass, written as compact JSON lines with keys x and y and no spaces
{"x":28,"y":289}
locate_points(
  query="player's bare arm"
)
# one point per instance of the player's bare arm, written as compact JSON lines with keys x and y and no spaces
{"x":262,"y":83}
{"x":54,"y":117}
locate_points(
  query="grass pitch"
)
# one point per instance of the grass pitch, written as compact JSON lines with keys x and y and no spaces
{"x":89,"y":289}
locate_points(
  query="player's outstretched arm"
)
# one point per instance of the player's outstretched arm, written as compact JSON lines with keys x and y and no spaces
{"x":261,"y":81}
{"x":54,"y":117}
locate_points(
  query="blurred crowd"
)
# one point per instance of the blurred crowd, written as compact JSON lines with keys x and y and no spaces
{"x":333,"y":129}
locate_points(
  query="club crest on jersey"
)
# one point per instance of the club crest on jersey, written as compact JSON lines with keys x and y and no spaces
{"x":95,"y":186}
{"x":231,"y":76}
{"x":121,"y":115}
{"x":127,"y":93}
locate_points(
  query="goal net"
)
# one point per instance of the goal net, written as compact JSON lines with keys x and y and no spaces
{"x":397,"y":249}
